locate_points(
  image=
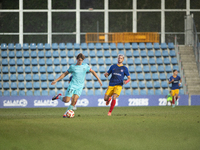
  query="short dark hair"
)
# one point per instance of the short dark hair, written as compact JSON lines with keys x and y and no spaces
{"x":174,"y":70}
{"x":80,"y":55}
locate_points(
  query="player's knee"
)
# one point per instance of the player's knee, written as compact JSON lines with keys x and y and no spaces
{"x":66,"y":100}
{"x":106,"y":98}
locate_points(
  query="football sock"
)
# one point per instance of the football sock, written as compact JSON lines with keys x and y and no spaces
{"x":69,"y":108}
{"x":112,"y":105}
{"x":172,"y":100}
{"x":61,"y":98}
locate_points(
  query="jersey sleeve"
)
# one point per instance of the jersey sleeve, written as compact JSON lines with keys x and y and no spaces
{"x":179,"y":78}
{"x":70,"y":78}
{"x":170,"y":79}
{"x":70,"y":70}
{"x":126,"y":72}
{"x":87,"y":68}
{"x":110,"y":70}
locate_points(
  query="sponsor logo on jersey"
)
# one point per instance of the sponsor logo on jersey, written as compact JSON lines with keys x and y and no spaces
{"x":14,"y":103}
{"x":122,"y":70}
{"x":101,"y":102}
{"x":138,"y":102}
{"x":117,"y":74}
{"x":45,"y":103}
{"x":80,"y":102}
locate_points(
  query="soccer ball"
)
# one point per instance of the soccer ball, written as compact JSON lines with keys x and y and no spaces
{"x":70,"y":114}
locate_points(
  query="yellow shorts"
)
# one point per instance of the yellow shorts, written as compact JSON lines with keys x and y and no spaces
{"x":174,"y":92}
{"x":114,"y":90}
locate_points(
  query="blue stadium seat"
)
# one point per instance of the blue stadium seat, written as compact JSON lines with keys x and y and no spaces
{"x":85,"y":53}
{"x":40,"y":46}
{"x":49,"y":61}
{"x":29,"y":93}
{"x":69,"y":46}
{"x":43,"y":77}
{"x":66,"y":84}
{"x":105,"y":85}
{"x":44,"y":92}
{"x":99,"y":53}
{"x":127,"y":46}
{"x":150,"y":53}
{"x":4,"y":62}
{"x":159,"y":61}
{"x":163,"y":45}
{"x":162,"y":76}
{"x":168,"y":68}
{"x":83,"y":46}
{"x":36,"y":77}
{"x":20,"y":77}
{"x":33,"y":54}
{"x":128,"y":53}
{"x":48,"y":54}
{"x":133,"y":76}
{"x":44,"y":85}
{"x":11,"y":46}
{"x":128,"y":92}
{"x":127,"y":86}
{"x":136,"y":53}
{"x":105,"y":46}
{"x":33,"y":46}
{"x":20,"y":69}
{"x":149,"y":46}
{"x":171,"y":45}
{"x":64,"y":68}
{"x":102,"y":77}
{"x":172,"y":53}
{"x":145,"y":61}
{"x":92,"y":53}
{"x":149,"y":84}
{"x":27,"y":69}
{"x":115,"y":61}
{"x":89,"y":85}
{"x":88,"y":77}
{"x":41,"y":54}
{"x":11,"y":54}
{"x":135,"y":92}
{"x":13,"y":93}
{"x":83,"y":92}
{"x":50,"y":77}
{"x":155,"y":76}
{"x":174,"y":61}
{"x":181,"y":92}
{"x":55,"y":54}
{"x":100,"y":61}
{"x":165,"y":53}
{"x":101,"y":69}
{"x":28,"y":77}
{"x":3,"y":46}
{"x":35,"y":70}
{"x":36,"y":85}
{"x":49,"y":69}
{"x":90,"y":46}
{"x":143,"y":92}
{"x":141,"y":84}
{"x":157,"y":92}
{"x":93,"y":61}
{"x":176,"y":67}
{"x":112,"y":46}
{"x":34,"y":62}
{"x":97,"y":92}
{"x":12,"y":70}
{"x":131,"y":69}
{"x":156,"y":46}
{"x":47,"y":46}
{"x":165,"y":92}
{"x":120,"y":46}
{"x":62,"y":46}
{"x":36,"y":93}
{"x":164,"y":84}
{"x":0,"y":87}
{"x":134,"y":46}
{"x":153,"y":69}
{"x":158,"y":53}
{"x":86,"y":61}
{"x":98,"y":46}
{"x":130,"y":61}
{"x":42,"y":69}
{"x":152,"y":61}
{"x":122,"y":92}
{"x":26,"y":54}
{"x":76,"y":46}
{"x":5,"y":77}
{"x":138,"y":69}
{"x":137,"y":61}
{"x":114,"y":53}
{"x":161,"y":69}
{"x":166,"y":61}
{"x":41,"y":62}
{"x":108,"y":61}
{"x":141,"y":45}
{"x":29,"y":85}
{"x":19,"y":62}
{"x":96,"y":85}
{"x":140,"y":76}
{"x":54,"y":46}
{"x":146,"y":69}
{"x":107,"y":53}
{"x":5,"y":69}
{"x":147,"y":76}
{"x":150,"y":92}
{"x":63,"y":54}
{"x":6,"y":93}
{"x":57,"y":69}
{"x":90,"y":92}
{"x":156,"y":84}
{"x":25,"y":46}
{"x":12,"y":62}
{"x":21,"y":93}
{"x":63,"y":61}
{"x":13,"y":77}
{"x":143,"y":53}
{"x":134,"y":85}
{"x":56,"y":61}
{"x":19,"y":54}
{"x":95,"y":68}
{"x":4,"y":54}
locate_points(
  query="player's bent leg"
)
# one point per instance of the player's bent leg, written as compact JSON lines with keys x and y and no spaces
{"x":57,"y":97}
{"x":74,"y":100}
{"x":112,"y":104}
{"x":107,"y":98}
{"x":66,"y":99}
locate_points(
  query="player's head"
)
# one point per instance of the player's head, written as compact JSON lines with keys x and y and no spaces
{"x":80,"y":57}
{"x":175,"y":72}
{"x":120,"y":58}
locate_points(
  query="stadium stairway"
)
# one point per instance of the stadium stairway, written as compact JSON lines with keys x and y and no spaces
{"x":190,"y":69}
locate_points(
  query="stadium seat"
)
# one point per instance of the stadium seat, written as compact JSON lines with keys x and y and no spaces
{"x":166,"y":61}
{"x":95,"y":68}
{"x":168,"y":68}
{"x":141,"y":84}
{"x":108,"y":61}
{"x":133,"y":76}
{"x":137,"y":61}
{"x":152,"y":61}
{"x":102,"y":77}
{"x":155,"y":76}
{"x":100,"y":61}
{"x":131,"y":69}
{"x":89,"y":85}
{"x":149,"y":46}
{"x":83,"y":46}
{"x":4,"y":62}
{"x":140,"y":76}
{"x":41,"y":62}
{"x":20,"y":77}
{"x":47,"y":46}
{"x":33,"y":46}
{"x":25,"y":46}
{"x":5,"y":69}
{"x":159,"y":61}
{"x":105,"y":46}
{"x":181,"y":92}
{"x":127,"y":86}
{"x":96,"y":85}
{"x":149,"y":84}
{"x":90,"y":92}
{"x":6,"y":93}
{"x":12,"y":70}
{"x":141,"y":45}
{"x":36,"y":77}
{"x":98,"y":46}
{"x":176,"y":67}
{"x":0,"y":88}
{"x":136,"y":53}
{"x":157,"y":92}
{"x":162,"y":76}
{"x":63,"y":54}
{"x":19,"y":54}
{"x":138,"y":69}
{"x":28,"y":77}
{"x":36,"y":93}
{"x":13,"y":93}
{"x":34,"y":62}
{"x":135,"y":92}
{"x":3,"y":46}
{"x":146,"y":69}
{"x":44,"y":92}
{"x":150,"y":53}
{"x":120,"y":46}
{"x":29,"y":93}
{"x":105,"y":85}
{"x":76,"y":46}
{"x":174,"y":61}
{"x":12,"y":62}
{"x":62,"y":46}
{"x":161,"y":69}
{"x":54,"y":46}
{"x":66,"y":84}
{"x":128,"y":53}
{"x":112,"y":46}
{"x":36,"y":85}
{"x":130,"y":61}
{"x":99,"y":53}
{"x":101,"y":69}
{"x":64,"y":69}
{"x":163,"y":46}
{"x":171,"y":45}
{"x":13,"y":77}
{"x":85,"y":53}
{"x":26,"y":54}
{"x":172,"y":53}
{"x":29,"y":85}
{"x":164,"y":84}
{"x":88,"y":77}
{"x":43,"y":77}
{"x":145,"y":61}
{"x":128,"y":92}
{"x":5,"y":77}
{"x":33,"y":54}
{"x":20,"y":69}
{"x":48,"y":54}
{"x":97,"y":92}
{"x":107,"y":53}
{"x":69,"y":46}
{"x":40,"y":46}
{"x":41,"y":54}
{"x":90,"y":46}
{"x":165,"y":53}
{"x":115,"y":60}
{"x":150,"y":92}
{"x":11,"y":46}
{"x":49,"y":69}
{"x":134,"y":46}
{"x":44,"y":85}
{"x":93,"y":61}
{"x":143,"y":92}
{"x":121,"y":52}
{"x":76,"y":53}
{"x":49,"y":61}
{"x":50,"y":77}
{"x":156,"y":84}
{"x":4,"y":54}
{"x":55,"y":54}
{"x":11,"y":54}
{"x":158,"y":53}
{"x":114,"y":53}
{"x":153,"y":69}
{"x":56,"y":61}
{"x":92,"y":53}
{"x":21,"y":93}
{"x":19,"y":62}
{"x":165,"y":92}
{"x":83,"y":92}
{"x":134,"y":85}
{"x":63,"y":61}
{"x":147,"y":76}
{"x":127,"y":46}
{"x":156,"y":46}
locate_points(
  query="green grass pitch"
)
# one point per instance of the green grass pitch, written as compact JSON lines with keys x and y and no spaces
{"x":129,"y":128}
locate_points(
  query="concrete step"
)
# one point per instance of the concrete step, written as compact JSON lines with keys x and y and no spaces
{"x":193,"y":87}
{"x":188,"y":58}
{"x":192,"y":81}
{"x":186,"y":52}
{"x":190,"y":75}
{"x":191,"y":72}
{"x":189,"y":63}
{"x":189,"y":66}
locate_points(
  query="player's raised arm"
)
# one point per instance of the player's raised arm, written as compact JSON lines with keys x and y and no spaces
{"x":106,"y":74}
{"x":61,"y":77}
{"x":171,"y":80}
{"x":94,"y":73}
